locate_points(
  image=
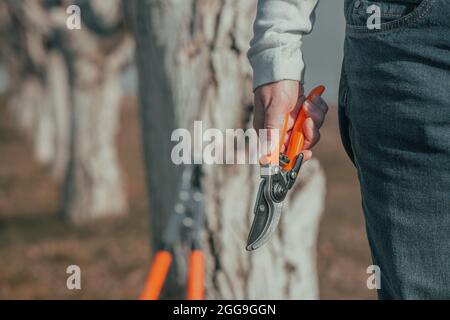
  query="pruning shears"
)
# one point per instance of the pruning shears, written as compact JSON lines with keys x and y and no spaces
{"x":187,"y":218}
{"x":278,"y":176}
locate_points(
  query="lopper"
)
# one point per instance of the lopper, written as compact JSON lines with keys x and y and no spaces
{"x":278,"y":175}
{"x":187,"y":218}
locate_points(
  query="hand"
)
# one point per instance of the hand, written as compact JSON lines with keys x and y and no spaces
{"x":274,"y":100}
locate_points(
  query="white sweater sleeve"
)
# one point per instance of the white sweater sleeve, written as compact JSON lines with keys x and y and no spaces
{"x":275,"y":50}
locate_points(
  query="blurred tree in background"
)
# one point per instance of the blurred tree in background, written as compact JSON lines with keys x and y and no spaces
{"x":65,"y":92}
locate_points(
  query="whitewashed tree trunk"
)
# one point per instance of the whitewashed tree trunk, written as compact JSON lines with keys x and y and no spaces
{"x":192,"y":64}
{"x":94,"y":183}
{"x":59,"y":102}
{"x":68,"y":98}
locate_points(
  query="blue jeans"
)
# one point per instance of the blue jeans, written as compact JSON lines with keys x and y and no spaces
{"x":394,"y":113}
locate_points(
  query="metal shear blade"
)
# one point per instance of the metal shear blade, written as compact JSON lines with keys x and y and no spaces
{"x":269,"y":203}
{"x":267,"y":215}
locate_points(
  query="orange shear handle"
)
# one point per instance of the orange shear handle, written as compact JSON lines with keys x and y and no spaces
{"x":157,"y":276}
{"x":297,"y":139}
{"x":196,"y":276}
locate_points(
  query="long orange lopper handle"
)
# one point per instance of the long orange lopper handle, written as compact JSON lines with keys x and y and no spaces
{"x":297,"y":139}
{"x":196,"y":276}
{"x":157,"y":276}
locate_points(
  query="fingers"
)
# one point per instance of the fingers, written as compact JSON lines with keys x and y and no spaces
{"x":311,"y":132}
{"x":319,"y":102}
{"x":316,"y":111}
{"x":307,"y":155}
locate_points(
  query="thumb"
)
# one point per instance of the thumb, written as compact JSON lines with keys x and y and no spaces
{"x":275,"y":117}
{"x":274,"y":121}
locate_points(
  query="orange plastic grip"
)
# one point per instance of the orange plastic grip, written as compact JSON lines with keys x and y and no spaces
{"x":157,"y":276}
{"x":297,"y":139}
{"x":196,"y":276}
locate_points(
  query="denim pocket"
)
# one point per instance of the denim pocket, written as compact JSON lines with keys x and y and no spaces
{"x":394,"y":15}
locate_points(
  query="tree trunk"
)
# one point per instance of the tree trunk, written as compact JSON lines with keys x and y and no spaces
{"x":192,"y":64}
{"x":66,"y":94}
{"x":93,"y":182}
